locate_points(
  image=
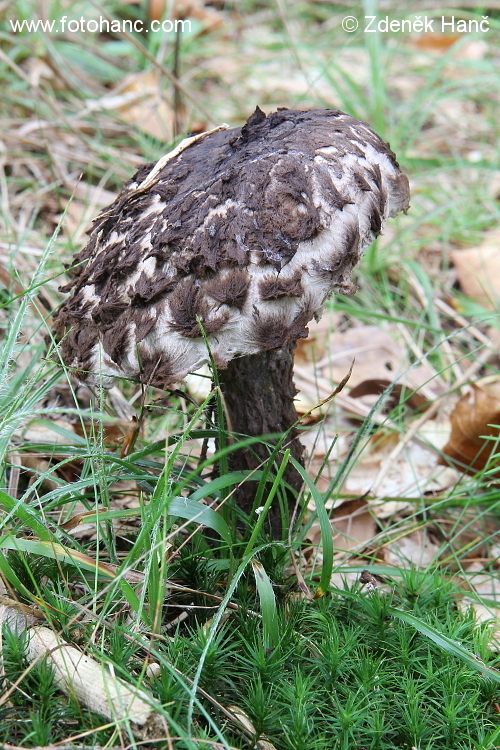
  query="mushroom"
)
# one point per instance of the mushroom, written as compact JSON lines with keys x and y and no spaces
{"x":228,"y":246}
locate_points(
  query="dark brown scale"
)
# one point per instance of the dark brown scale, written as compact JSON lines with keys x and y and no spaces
{"x":190,"y":311}
{"x":375,"y":220}
{"x":78,"y":341}
{"x":273,"y":288}
{"x":374,"y":172}
{"x":185,"y":308}
{"x":150,"y":289}
{"x":212,"y":325}
{"x":269,"y":332}
{"x":158,"y":369}
{"x":361,"y":182}
{"x":231,"y":289}
{"x":115,"y":342}
{"x":331,"y":193}
{"x":298,"y":329}
{"x":144,"y":320}
{"x":107,"y":313}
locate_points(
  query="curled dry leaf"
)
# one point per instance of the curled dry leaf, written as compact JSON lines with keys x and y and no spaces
{"x":75,"y":673}
{"x":264,"y":744}
{"x":475,"y":428}
{"x":478,"y":270}
{"x":16,"y":615}
{"x":91,"y":682}
{"x":398,"y":394}
{"x":242,"y":719}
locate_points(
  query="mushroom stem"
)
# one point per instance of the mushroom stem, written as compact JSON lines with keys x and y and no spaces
{"x":258,"y":393}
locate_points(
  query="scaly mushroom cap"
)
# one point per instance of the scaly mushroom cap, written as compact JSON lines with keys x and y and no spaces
{"x":234,"y":240}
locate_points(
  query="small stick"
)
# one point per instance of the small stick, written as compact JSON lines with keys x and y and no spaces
{"x":465,"y":324}
{"x":76,"y":673}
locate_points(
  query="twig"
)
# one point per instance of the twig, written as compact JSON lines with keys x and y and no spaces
{"x":465,"y":324}
{"x":76,"y":673}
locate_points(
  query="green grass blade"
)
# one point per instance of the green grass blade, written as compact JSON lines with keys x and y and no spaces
{"x":186,"y":507}
{"x":221,"y":483}
{"x":267,"y":605}
{"x":58,"y":552}
{"x":325,"y":529}
{"x":182,"y":507}
{"x":24,"y":513}
{"x":214,"y":626}
{"x":447,"y":644}
{"x":265,"y":510}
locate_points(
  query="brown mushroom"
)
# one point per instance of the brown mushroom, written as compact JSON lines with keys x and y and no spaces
{"x":232,"y":243}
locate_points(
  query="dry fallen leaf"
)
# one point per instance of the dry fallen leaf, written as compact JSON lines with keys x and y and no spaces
{"x":439,"y":43}
{"x":478,"y":270}
{"x":474,"y":421}
{"x":140,"y":101}
{"x":264,"y":745}
{"x":388,"y":468}
{"x":353,"y":526}
{"x":485,"y":584}
{"x":54,"y":433}
{"x":346,"y":579}
{"x":434,"y":42}
{"x":413,"y":473}
{"x":315,"y":347}
{"x":415,"y":548}
{"x":398,"y":394}
{"x":324,"y":358}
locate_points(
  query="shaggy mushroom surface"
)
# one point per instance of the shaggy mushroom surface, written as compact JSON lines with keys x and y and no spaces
{"x":234,"y":240}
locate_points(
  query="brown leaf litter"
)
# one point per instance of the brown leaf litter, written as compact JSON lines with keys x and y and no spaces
{"x":475,"y":429}
{"x":478,"y":270}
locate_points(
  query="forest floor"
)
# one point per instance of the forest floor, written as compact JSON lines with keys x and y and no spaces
{"x":372,"y":622}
